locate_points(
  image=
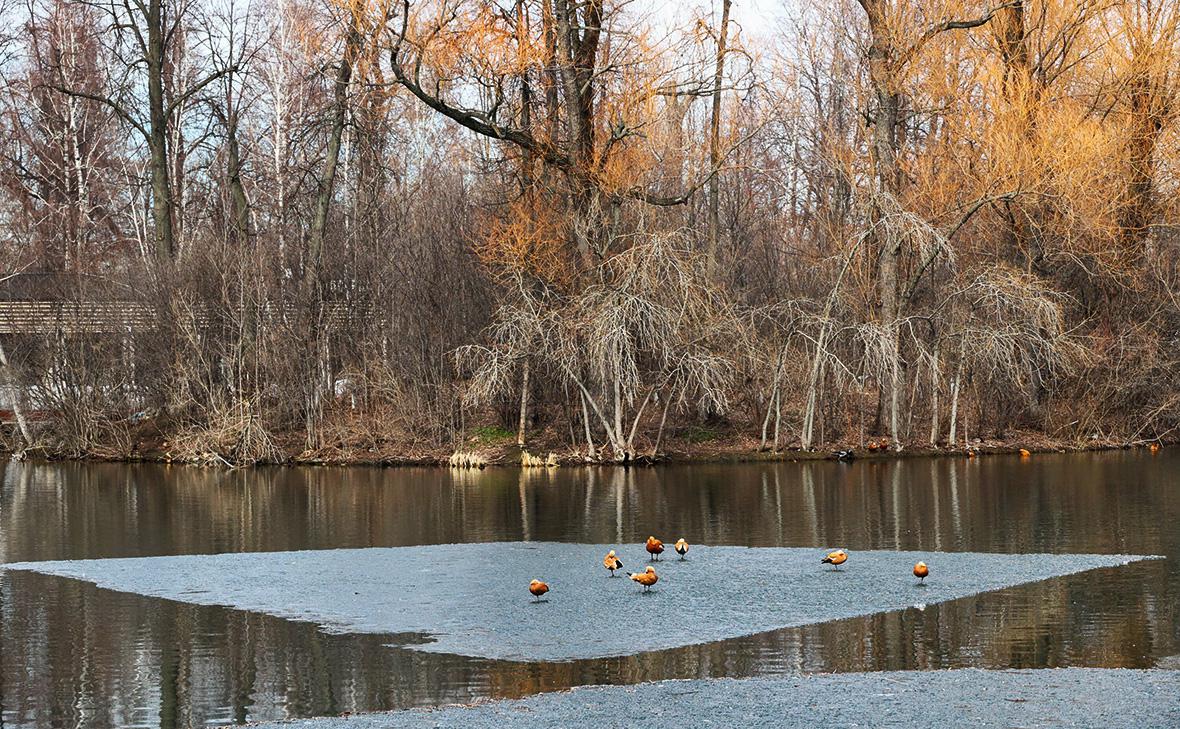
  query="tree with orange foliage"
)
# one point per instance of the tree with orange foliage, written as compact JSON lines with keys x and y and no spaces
{"x":462,"y":59}
{"x":1150,"y":97}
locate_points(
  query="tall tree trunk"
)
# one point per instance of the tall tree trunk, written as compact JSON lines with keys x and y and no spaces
{"x":655,"y":449}
{"x":956,"y":384}
{"x":549,"y":74}
{"x":1011,"y":34}
{"x":577,"y":57}
{"x":318,"y":378}
{"x":80,"y":229}
{"x":239,"y":207}
{"x":162,"y":204}
{"x":887,"y":62}
{"x":280,"y":80}
{"x":325,"y":185}
{"x":585,"y":61}
{"x":1022,"y":92}
{"x":617,"y":436}
{"x":715,"y":143}
{"x":934,"y":388}
{"x":896,"y":383}
{"x":1147,"y":123}
{"x":770,"y":406}
{"x":524,"y":402}
{"x":526,"y":99}
{"x":590,"y":450}
{"x":885,"y":121}
{"x":778,"y":416}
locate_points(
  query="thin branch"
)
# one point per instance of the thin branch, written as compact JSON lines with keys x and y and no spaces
{"x":195,"y":89}
{"x":932,"y":254}
{"x":123,"y":113}
{"x":908,"y":54}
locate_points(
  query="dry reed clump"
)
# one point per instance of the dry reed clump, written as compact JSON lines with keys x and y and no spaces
{"x":528,"y":460}
{"x":467,"y":459}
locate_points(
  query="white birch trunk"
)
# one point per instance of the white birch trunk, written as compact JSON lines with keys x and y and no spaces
{"x":524,"y":402}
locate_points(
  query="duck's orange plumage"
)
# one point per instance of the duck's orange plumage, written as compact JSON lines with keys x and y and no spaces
{"x":921,"y":571}
{"x":654,"y":547}
{"x":538,"y":588}
{"x":681,"y":547}
{"x":647,"y":578}
{"x":836,"y":558}
{"x":612,"y":563}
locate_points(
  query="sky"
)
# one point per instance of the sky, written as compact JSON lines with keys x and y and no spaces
{"x":756,"y":17}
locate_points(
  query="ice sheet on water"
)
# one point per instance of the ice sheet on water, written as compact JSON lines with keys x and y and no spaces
{"x":472,"y":599}
{"x":1063,"y":697}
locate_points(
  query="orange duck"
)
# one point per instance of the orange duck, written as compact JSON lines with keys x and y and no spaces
{"x":647,"y":578}
{"x":612,"y":563}
{"x":836,"y":558}
{"x":681,"y":547}
{"x":921,"y":571}
{"x":654,"y":547}
{"x":538,"y":589}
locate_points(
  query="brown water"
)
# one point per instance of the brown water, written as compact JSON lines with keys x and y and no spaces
{"x":74,"y":655}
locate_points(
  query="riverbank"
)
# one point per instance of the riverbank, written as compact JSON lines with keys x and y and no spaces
{"x":492,"y":447}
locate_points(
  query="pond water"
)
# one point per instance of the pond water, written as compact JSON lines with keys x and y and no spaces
{"x":72,"y":654}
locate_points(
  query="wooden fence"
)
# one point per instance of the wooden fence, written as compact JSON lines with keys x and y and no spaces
{"x":124,"y":317}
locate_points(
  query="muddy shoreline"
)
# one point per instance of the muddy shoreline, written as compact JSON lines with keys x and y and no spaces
{"x":541,"y":455}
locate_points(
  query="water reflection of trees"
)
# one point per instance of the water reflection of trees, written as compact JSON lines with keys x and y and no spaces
{"x":74,"y":653}
{"x":1103,"y":503}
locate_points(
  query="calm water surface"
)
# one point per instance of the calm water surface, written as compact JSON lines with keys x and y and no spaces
{"x":74,"y":655}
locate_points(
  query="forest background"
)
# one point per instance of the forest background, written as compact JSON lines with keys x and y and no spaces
{"x":368,"y":230}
